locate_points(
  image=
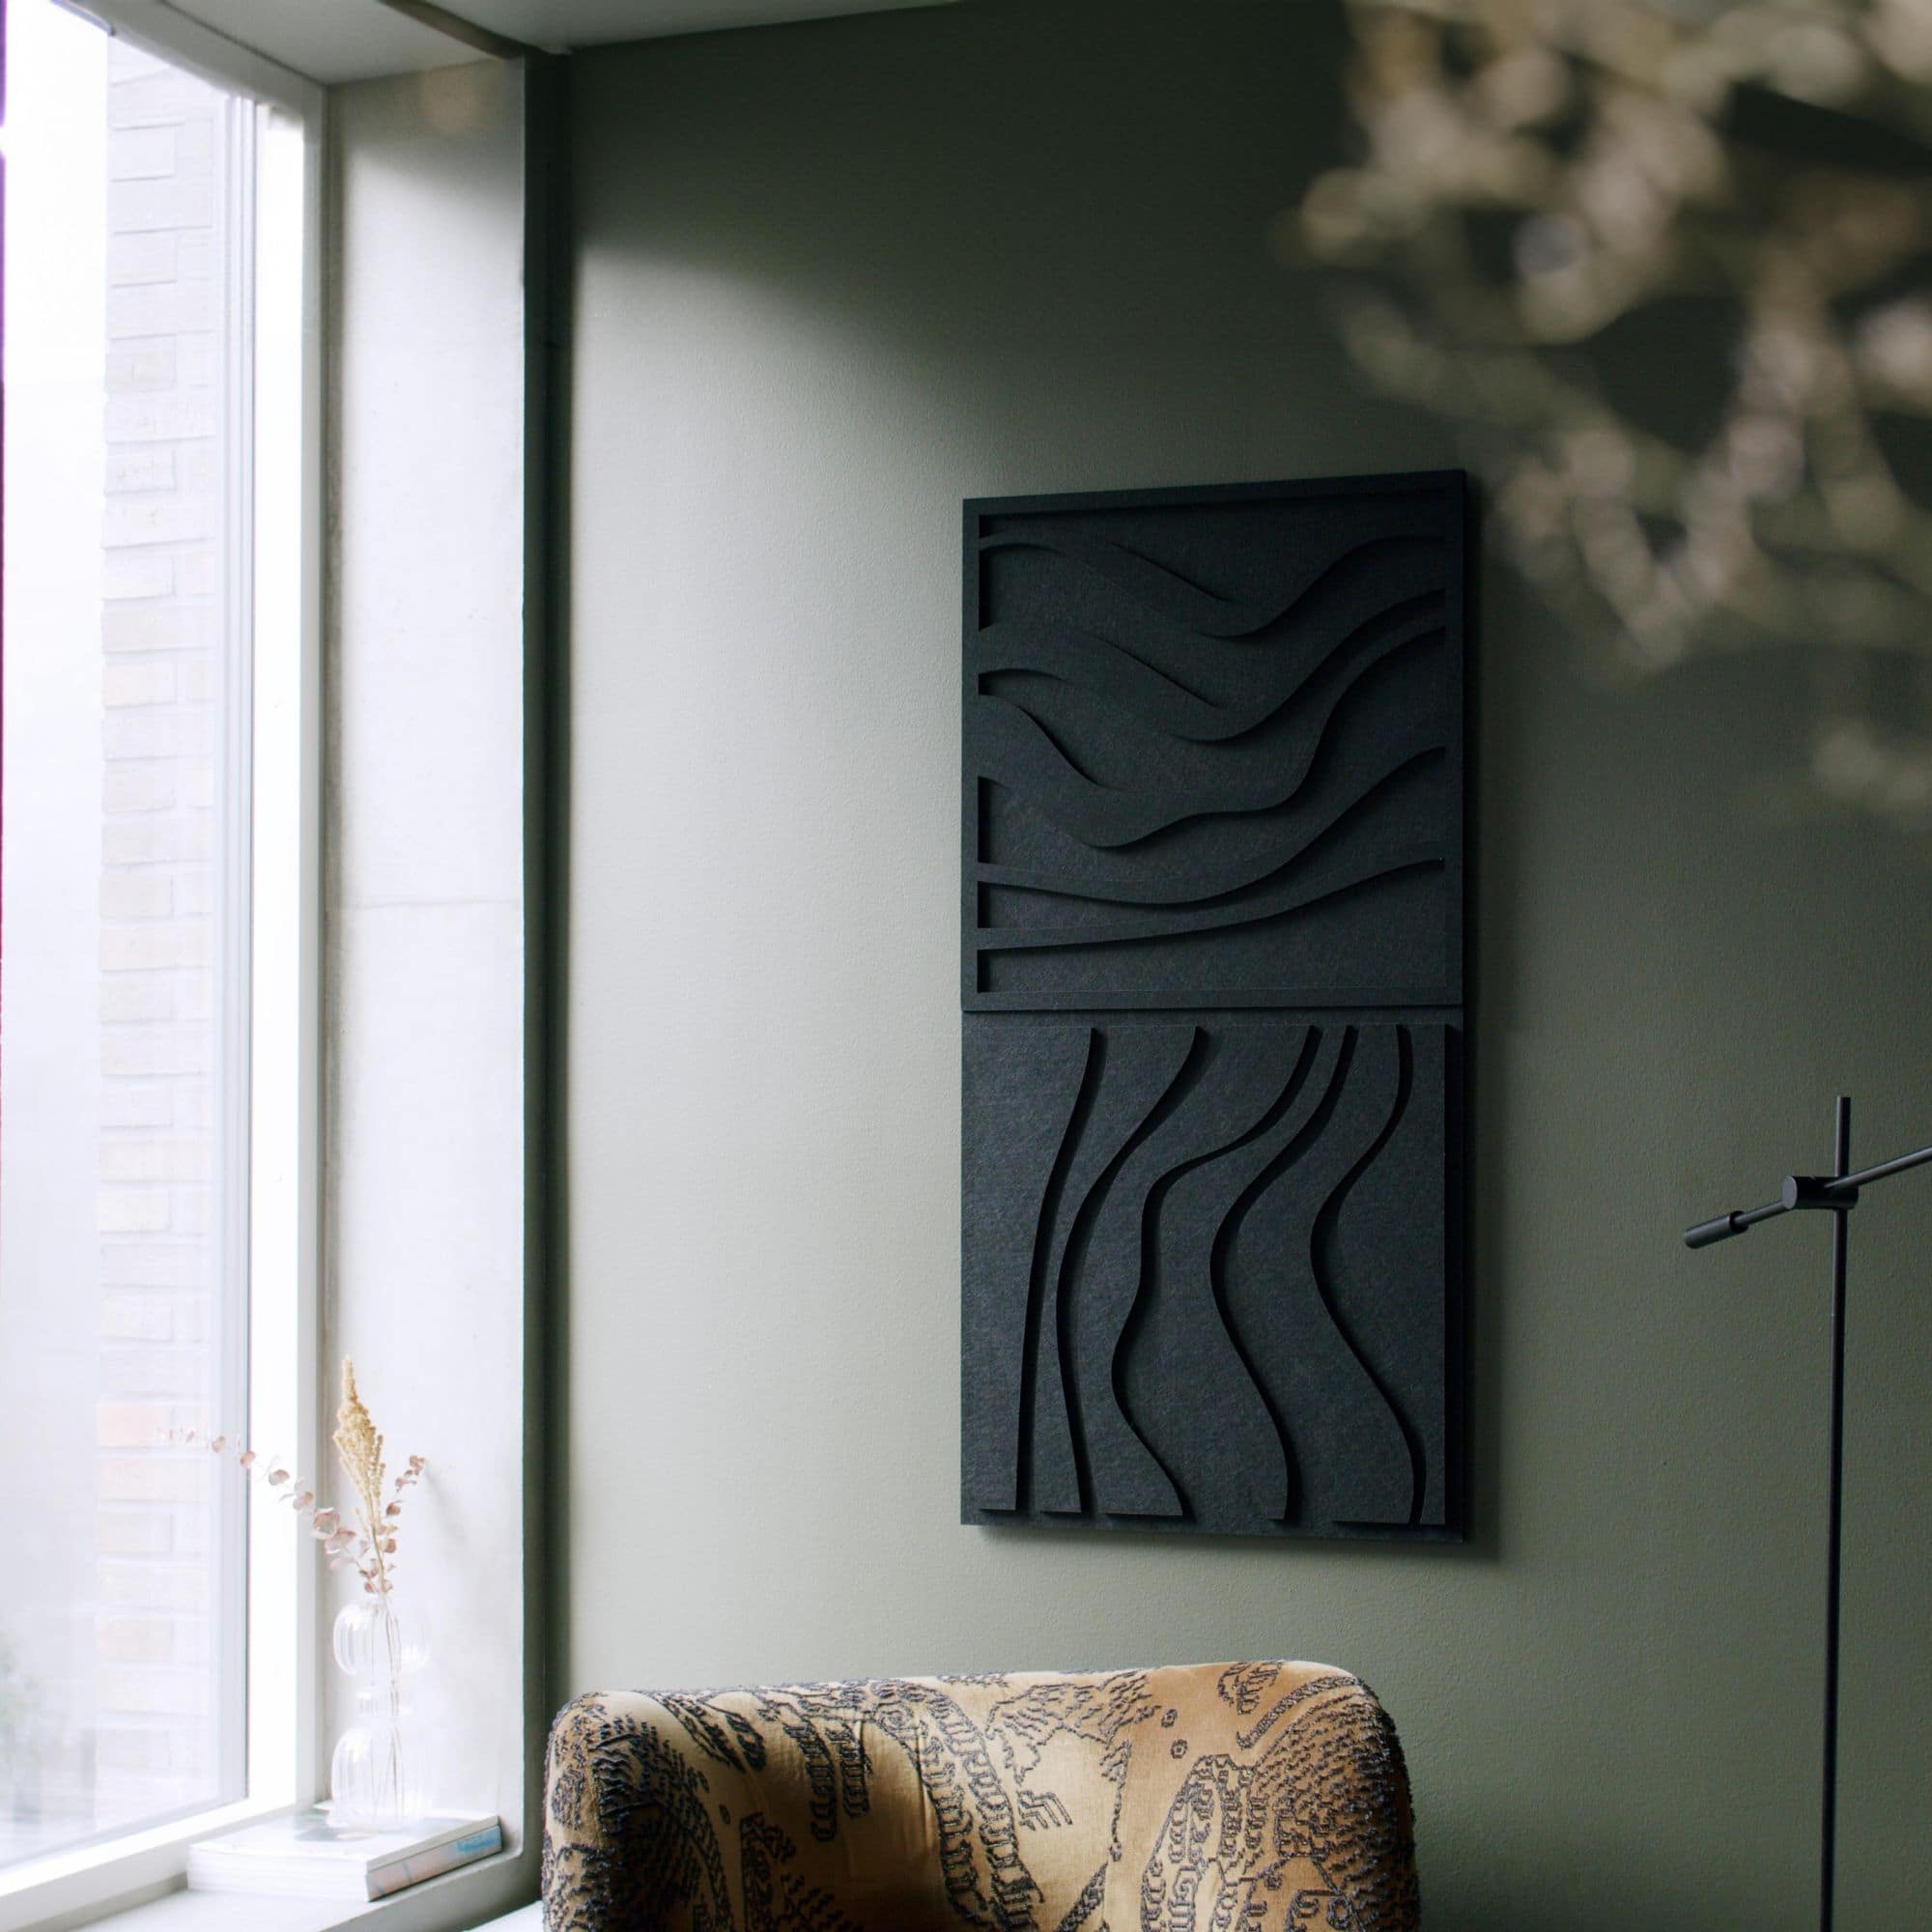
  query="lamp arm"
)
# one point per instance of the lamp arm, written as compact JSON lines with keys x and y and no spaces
{"x":1805,"y":1191}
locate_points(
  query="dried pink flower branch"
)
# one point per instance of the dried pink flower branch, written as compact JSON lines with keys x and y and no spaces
{"x":369,"y":1547}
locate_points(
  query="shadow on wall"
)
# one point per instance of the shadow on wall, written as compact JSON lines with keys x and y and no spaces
{"x":1668,"y":271}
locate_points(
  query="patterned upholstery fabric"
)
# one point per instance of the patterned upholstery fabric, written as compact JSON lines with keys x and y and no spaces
{"x":1217,"y":1798}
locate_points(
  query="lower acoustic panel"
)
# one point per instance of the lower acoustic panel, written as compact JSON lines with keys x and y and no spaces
{"x":1209,"y":1275}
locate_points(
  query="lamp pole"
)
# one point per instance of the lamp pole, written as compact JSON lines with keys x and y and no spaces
{"x":1837,"y":1194}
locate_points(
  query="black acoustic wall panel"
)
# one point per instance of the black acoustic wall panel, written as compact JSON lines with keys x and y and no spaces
{"x":1213,"y":764}
{"x":1213,"y":747}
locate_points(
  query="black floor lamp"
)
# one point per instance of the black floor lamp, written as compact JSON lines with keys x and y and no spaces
{"x":1838,"y":1194}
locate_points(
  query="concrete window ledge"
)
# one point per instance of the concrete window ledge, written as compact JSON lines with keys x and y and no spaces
{"x":223,"y":1912}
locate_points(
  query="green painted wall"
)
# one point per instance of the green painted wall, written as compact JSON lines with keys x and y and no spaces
{"x":832,"y":279}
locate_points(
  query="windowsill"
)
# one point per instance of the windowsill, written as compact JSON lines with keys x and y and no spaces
{"x":61,"y":1887}
{"x":64,"y":1893}
{"x":439,"y":1901}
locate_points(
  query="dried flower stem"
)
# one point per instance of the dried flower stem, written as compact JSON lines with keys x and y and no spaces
{"x":359,"y":1448}
{"x":370,"y":1547}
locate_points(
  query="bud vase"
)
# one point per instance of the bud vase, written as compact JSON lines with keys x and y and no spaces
{"x":377,"y":1775}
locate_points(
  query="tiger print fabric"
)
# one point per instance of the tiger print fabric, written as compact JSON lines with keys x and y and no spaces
{"x":1214,"y":1798}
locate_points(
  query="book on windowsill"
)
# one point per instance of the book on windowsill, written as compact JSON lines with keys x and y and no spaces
{"x":306,"y":1855}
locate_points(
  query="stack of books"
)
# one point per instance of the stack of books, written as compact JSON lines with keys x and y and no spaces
{"x":306,"y":1855}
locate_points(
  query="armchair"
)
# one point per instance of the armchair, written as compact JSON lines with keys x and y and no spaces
{"x":1241,"y":1797}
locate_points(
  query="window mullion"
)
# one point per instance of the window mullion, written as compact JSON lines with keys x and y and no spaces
{"x":236,"y":228}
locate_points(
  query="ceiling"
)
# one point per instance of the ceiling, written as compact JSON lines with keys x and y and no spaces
{"x":355,"y":39}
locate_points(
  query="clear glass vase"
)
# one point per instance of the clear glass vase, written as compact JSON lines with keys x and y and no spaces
{"x":378,"y":1774}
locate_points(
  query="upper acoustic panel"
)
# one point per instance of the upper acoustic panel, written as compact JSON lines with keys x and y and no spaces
{"x":1213,"y":746}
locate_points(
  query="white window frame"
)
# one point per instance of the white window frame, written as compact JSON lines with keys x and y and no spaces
{"x":283,"y":1582}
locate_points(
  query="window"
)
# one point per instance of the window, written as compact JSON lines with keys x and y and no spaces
{"x":155,"y":892}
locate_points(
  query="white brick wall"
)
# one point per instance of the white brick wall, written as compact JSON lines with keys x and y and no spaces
{"x":161,"y":740}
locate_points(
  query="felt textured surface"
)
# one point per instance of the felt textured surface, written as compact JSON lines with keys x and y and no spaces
{"x":1213,"y":746}
{"x":1213,"y":763}
{"x":1208,"y":1278}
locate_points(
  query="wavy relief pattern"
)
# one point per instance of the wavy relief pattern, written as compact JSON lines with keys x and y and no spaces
{"x":1213,"y":761}
{"x":1143,"y":742}
{"x":1018,"y":748}
{"x":1334,"y":876}
{"x":1203,"y":884}
{"x":1154,"y":693}
{"x":1211,"y":1338}
{"x":1169,"y":597}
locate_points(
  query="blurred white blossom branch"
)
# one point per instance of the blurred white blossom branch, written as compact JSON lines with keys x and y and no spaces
{"x":1534,"y":173}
